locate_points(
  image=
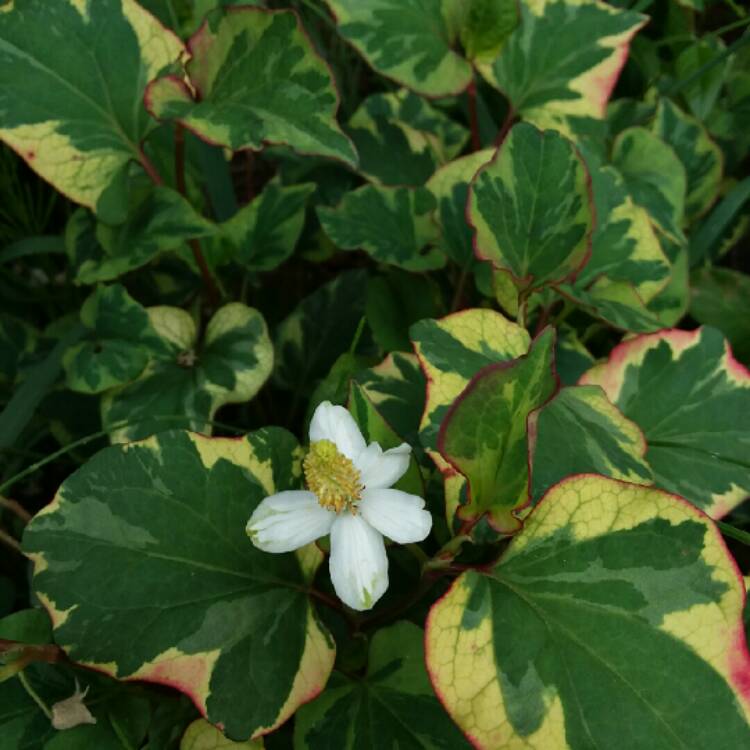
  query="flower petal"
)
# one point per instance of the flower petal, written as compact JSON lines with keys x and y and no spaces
{"x":358,"y":564}
{"x":395,"y":514}
{"x":287,"y":521}
{"x":334,"y":423}
{"x":382,"y":469}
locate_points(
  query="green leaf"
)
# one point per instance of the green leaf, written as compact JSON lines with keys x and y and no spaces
{"x":201,"y":735}
{"x":671,"y":304}
{"x":685,"y":391}
{"x":401,"y":139}
{"x":572,"y":358}
{"x":121,"y":713}
{"x":187,"y":600}
{"x":231,"y":364}
{"x":410,"y":41}
{"x":485,"y":25}
{"x":563,"y":60}
{"x":703,"y":92}
{"x":655,"y":178}
{"x":484,"y":434}
{"x":699,"y":154}
{"x":720,"y":297}
{"x":531,"y":208}
{"x":624,"y":246}
{"x":377,"y":430}
{"x":119,"y":346}
{"x":17,"y":343}
{"x":38,"y":381}
{"x":395,"y":301}
{"x":393,"y":706}
{"x":707,"y":241}
{"x":27,"y":626}
{"x":318,"y":330}
{"x":248,"y":93}
{"x":397,"y":389}
{"x":580,"y":432}
{"x":617,"y":303}
{"x":596,"y":626}
{"x":452,"y":350}
{"x":159,"y":220}
{"x":450,"y":187}
{"x":393,"y":225}
{"x":263,"y":233}
{"x":69,"y":106}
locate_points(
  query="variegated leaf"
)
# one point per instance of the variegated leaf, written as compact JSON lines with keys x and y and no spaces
{"x":201,"y":735}
{"x":450,"y":187}
{"x":69,"y":105}
{"x":624,"y":246}
{"x":451,"y":351}
{"x":484,"y":435}
{"x":687,"y":393}
{"x":392,"y":706}
{"x":393,"y":225}
{"x":655,"y":178}
{"x":396,"y":387}
{"x":234,"y":359}
{"x":699,"y":154}
{"x":263,"y":234}
{"x":580,"y":432}
{"x":531,"y":208}
{"x":143,"y":564}
{"x":562,"y":62}
{"x":244,"y":93}
{"x":595,"y":629}
{"x":401,"y":139}
{"x":120,"y":344}
{"x":411,"y":41}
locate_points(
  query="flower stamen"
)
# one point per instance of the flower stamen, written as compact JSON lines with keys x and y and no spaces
{"x":332,"y":477}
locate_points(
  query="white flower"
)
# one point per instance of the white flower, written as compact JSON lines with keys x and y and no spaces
{"x":349,"y":497}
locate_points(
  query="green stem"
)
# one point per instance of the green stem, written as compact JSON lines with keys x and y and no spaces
{"x":34,"y":695}
{"x":357,"y":334}
{"x":733,"y":532}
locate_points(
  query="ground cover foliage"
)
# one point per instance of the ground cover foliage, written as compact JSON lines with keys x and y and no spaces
{"x":505,"y":240}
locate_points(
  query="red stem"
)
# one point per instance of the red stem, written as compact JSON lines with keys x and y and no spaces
{"x":471,"y":92}
{"x":505,"y":126}
{"x":195,"y":246}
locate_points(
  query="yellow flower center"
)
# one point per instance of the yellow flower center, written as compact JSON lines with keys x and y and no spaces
{"x":332,"y":477}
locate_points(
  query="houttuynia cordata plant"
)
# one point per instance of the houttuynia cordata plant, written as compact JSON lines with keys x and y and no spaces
{"x":373,"y":374}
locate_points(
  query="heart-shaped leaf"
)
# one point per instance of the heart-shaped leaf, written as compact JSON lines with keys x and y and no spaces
{"x":120,"y":345}
{"x":410,"y":41}
{"x":232,"y":362}
{"x":686,"y":392}
{"x":531,"y":208}
{"x":144,"y":567}
{"x":247,"y":93}
{"x":401,"y":139}
{"x":562,"y":62}
{"x":484,"y":434}
{"x":393,"y":225}
{"x":393,"y":706}
{"x":69,"y":106}
{"x":580,"y":432}
{"x":595,"y":629}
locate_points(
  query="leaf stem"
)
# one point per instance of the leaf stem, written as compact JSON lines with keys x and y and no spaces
{"x":471,"y":93}
{"x":15,"y":507}
{"x":148,"y":165}
{"x":733,"y":532}
{"x":505,"y":127}
{"x":212,"y":290}
{"x":7,"y":539}
{"x":34,"y":695}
